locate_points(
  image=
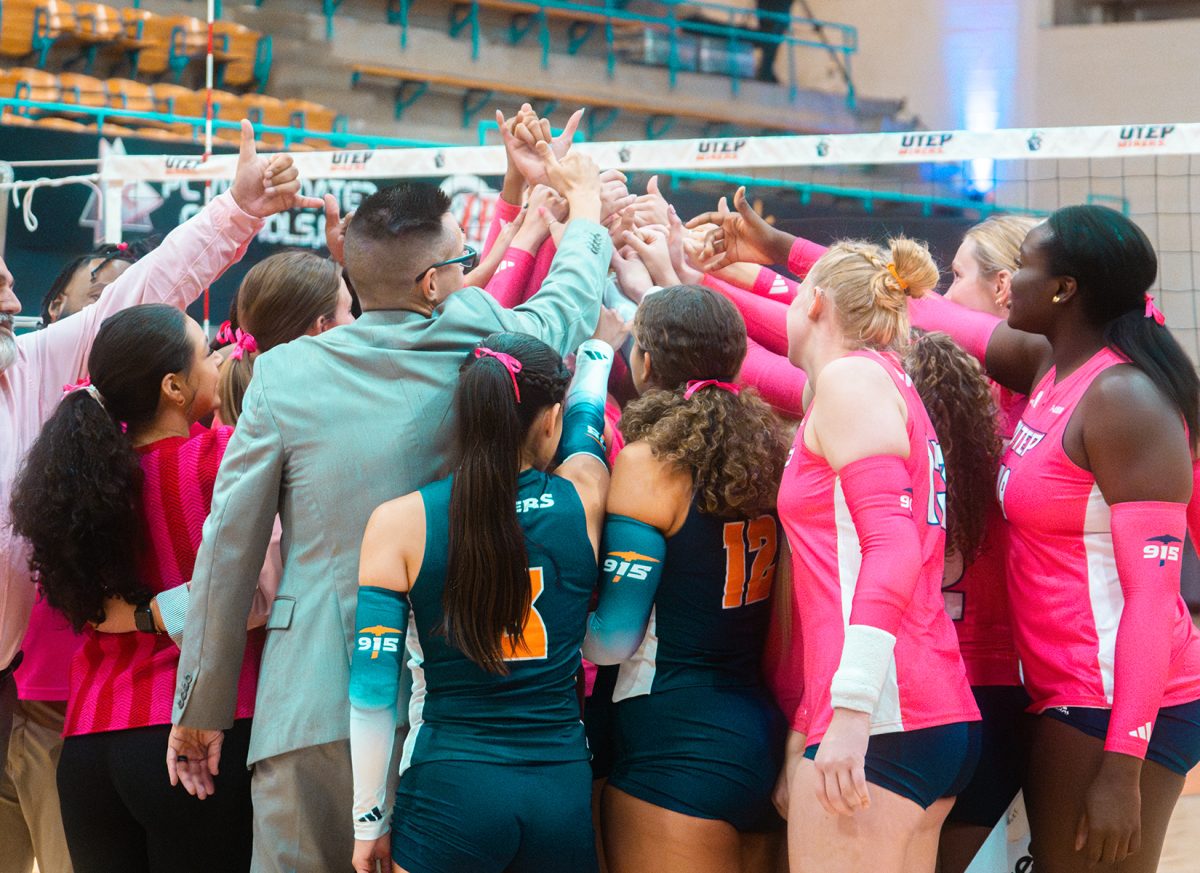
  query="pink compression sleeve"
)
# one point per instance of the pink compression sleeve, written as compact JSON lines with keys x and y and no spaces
{"x":511,"y":278}
{"x":803,"y":255}
{"x":503,"y":214}
{"x":1148,"y":547}
{"x":1193,"y":510}
{"x":970,"y":329}
{"x":541,"y":267}
{"x":878,"y":492}
{"x":770,"y":284}
{"x":766,"y":320}
{"x":778,"y":382}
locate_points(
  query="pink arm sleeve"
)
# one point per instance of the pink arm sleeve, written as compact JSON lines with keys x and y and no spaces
{"x":778,"y":382}
{"x":770,"y":284}
{"x":803,"y":255}
{"x":970,"y":329}
{"x":1148,"y":547}
{"x":192,"y":257}
{"x":503,"y":214}
{"x":1193,"y":509}
{"x":511,"y":278}
{"x":766,"y":320}
{"x":878,"y":494}
{"x":541,"y":267}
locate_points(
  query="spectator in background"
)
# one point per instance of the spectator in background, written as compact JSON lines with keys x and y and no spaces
{"x":33,"y":369}
{"x":773,"y":26}
{"x":84,"y":278}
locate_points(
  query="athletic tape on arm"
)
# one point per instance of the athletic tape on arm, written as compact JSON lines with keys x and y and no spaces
{"x":632,"y":555}
{"x":380,"y":621}
{"x":583,"y":411}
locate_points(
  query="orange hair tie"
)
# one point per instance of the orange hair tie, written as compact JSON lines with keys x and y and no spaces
{"x":892,"y":269}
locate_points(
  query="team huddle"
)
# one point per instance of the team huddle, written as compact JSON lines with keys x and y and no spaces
{"x":612,"y":548}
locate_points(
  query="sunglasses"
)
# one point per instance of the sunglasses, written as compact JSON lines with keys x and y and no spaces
{"x":469,"y":260}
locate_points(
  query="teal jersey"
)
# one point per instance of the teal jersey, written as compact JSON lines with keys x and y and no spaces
{"x":458,"y":710}
{"x":709,"y":620}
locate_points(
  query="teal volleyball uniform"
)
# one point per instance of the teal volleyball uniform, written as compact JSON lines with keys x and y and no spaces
{"x":477,"y":737}
{"x":696,"y":730}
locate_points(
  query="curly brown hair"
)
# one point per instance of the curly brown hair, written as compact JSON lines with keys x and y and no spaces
{"x":733,"y":445}
{"x":962,"y":407}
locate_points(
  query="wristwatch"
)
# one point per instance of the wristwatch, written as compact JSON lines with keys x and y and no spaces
{"x":143,"y":617}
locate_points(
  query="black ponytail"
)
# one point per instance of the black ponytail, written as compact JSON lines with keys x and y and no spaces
{"x":77,"y":496}
{"x":1114,"y":265}
{"x":487,"y":594}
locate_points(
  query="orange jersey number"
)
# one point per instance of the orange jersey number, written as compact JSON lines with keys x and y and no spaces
{"x":533,"y":645}
{"x":758,"y":537}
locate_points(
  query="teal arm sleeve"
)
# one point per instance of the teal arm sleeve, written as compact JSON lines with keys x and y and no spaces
{"x":632,"y":554}
{"x":583,"y":412}
{"x":380,"y":621}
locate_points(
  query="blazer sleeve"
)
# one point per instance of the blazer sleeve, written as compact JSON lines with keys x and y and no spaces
{"x":228,"y":565}
{"x":564,"y":311}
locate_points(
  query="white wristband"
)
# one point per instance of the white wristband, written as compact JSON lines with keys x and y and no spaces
{"x":866,"y":658}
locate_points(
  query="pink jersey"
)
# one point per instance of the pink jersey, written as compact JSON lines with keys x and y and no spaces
{"x":927,"y":683}
{"x":1064,"y":589}
{"x":978,"y":600}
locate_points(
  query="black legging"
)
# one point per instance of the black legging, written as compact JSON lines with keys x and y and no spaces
{"x":120,"y":812}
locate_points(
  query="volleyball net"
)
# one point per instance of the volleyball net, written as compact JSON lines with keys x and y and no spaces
{"x":862,"y":184}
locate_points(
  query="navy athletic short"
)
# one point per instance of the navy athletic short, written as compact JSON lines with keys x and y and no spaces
{"x":707,"y":752}
{"x":453,"y":816}
{"x":1003,"y":756}
{"x":923,"y":765}
{"x":1174,"y":742}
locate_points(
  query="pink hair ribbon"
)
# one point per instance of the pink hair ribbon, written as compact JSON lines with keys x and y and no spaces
{"x":1152,"y":311}
{"x":696,"y":384}
{"x":242,"y":343}
{"x":225,"y":334}
{"x":83,"y":383}
{"x":510,"y":363}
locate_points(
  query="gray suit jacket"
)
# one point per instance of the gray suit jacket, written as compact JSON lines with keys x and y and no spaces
{"x":331,"y":427}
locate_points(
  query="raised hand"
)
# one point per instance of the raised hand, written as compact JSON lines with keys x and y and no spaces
{"x":335,"y":229}
{"x":742,"y":235}
{"x":576,"y":177}
{"x":611,"y":328}
{"x":265,"y":186}
{"x":524,"y":131}
{"x":650,"y":244}
{"x":633,"y":279}
{"x":193,"y":758}
{"x":614,"y":195}
{"x":677,"y":237}
{"x":651,"y":207}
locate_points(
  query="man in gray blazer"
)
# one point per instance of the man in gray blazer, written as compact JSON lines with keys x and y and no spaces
{"x":331,"y":427}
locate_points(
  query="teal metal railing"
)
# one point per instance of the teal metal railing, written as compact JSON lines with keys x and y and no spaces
{"x":835,"y":38}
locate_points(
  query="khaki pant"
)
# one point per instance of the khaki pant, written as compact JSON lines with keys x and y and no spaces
{"x":303,"y":801}
{"x":30,"y":821}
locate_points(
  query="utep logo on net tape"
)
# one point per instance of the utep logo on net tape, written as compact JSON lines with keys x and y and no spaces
{"x":350,"y":161}
{"x":177,"y":165}
{"x":719,"y":149}
{"x":924,"y":143}
{"x":1144,"y":136}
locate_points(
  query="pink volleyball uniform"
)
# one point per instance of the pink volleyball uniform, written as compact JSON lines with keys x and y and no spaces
{"x":1065,"y":592}
{"x":978,"y":602}
{"x":926,"y":685}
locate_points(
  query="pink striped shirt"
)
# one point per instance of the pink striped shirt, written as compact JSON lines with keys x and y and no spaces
{"x":121,"y":681}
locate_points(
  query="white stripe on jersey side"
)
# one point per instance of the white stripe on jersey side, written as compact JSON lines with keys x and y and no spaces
{"x":416,"y":703}
{"x":887,"y":716}
{"x":636,"y":676}
{"x":1104,"y":587}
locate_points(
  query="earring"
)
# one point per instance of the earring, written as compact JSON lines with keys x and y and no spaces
{"x":1055,"y":299}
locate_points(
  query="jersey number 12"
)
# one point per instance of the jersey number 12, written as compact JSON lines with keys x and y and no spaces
{"x":758,"y":537}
